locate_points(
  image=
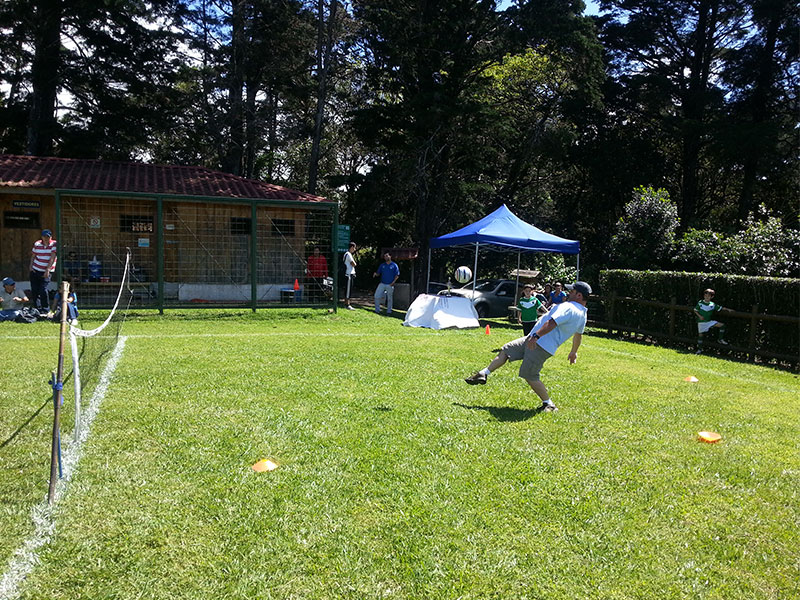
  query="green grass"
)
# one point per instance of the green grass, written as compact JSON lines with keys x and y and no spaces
{"x":396,"y":479}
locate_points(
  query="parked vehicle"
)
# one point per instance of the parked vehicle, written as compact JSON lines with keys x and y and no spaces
{"x":491,"y":298}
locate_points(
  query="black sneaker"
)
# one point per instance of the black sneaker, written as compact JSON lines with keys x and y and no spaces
{"x":476,"y":378}
{"x":548,"y":407}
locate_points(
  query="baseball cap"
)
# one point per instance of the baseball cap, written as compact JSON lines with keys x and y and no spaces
{"x":581,"y":286}
{"x":9,"y":281}
{"x":47,"y":232}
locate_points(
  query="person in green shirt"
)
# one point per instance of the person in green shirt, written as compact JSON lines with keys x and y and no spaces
{"x":705,"y":310}
{"x":530,"y":308}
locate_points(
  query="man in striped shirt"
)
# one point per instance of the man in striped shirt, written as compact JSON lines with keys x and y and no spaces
{"x":43,"y":263}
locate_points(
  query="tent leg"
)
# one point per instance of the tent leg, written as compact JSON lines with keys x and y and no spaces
{"x":475,"y":269}
{"x":428,"y":282}
{"x":516,"y":290}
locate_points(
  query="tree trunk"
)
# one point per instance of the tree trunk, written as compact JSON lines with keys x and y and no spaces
{"x":758,"y":112}
{"x":272,"y":131}
{"x":251,"y":130}
{"x":694,"y":110}
{"x":232,"y":161}
{"x":45,"y":77}
{"x":433,"y":165}
{"x":324,"y":56}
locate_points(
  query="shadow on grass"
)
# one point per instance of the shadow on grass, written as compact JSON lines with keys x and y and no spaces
{"x":19,"y":429}
{"x":711,"y":348}
{"x":506,"y":414}
{"x":500,"y":324}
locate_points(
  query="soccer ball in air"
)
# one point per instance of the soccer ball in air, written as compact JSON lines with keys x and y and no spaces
{"x":463,"y":274}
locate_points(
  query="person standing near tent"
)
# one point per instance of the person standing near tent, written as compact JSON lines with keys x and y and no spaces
{"x":43,"y":261}
{"x":349,"y":273}
{"x":558,"y":295}
{"x":388,"y":271}
{"x":530,"y":308}
{"x":562,"y":321}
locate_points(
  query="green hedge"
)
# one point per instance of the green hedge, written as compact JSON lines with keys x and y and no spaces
{"x":774,"y":296}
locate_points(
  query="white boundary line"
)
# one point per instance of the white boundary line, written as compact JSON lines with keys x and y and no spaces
{"x":26,"y":557}
{"x":406,"y":332}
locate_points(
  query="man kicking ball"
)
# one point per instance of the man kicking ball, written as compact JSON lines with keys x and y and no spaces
{"x":561,"y":322}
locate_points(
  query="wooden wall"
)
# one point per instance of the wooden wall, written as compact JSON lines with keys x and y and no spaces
{"x":16,"y":243}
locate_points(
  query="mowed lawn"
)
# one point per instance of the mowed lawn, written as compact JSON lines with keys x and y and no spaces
{"x":396,"y":479}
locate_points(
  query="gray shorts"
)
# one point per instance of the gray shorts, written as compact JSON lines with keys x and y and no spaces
{"x":532,"y":360}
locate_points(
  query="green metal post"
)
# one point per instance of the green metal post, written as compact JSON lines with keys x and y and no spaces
{"x":335,"y":254}
{"x":253,"y":256}
{"x":160,"y":252}
{"x":58,"y":236}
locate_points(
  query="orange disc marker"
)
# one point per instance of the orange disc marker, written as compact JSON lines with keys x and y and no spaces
{"x":692,"y":379}
{"x":264,"y":465}
{"x":709,"y":436}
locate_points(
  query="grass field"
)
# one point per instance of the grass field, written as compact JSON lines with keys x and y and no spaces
{"x":396,"y":479}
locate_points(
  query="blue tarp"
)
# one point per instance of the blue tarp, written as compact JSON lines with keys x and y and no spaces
{"x":503,"y":228}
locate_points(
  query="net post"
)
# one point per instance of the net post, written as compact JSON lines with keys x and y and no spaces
{"x":57,"y":378}
{"x":76,"y":382}
{"x":253,"y":256}
{"x":160,"y":253}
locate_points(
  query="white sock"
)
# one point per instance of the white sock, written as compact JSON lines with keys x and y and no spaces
{"x":485,"y":371}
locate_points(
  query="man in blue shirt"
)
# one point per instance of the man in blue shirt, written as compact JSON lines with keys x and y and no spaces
{"x":558,"y":295}
{"x":388,"y":271}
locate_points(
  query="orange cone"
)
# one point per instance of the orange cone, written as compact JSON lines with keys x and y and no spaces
{"x":488,"y":331}
{"x":264,"y":465}
{"x":296,"y":285}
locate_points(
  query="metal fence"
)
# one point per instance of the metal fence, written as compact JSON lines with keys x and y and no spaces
{"x":198,"y":251}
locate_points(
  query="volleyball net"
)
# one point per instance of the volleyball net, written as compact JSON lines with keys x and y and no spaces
{"x":91,"y":348}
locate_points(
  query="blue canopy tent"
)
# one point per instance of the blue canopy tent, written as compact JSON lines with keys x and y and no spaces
{"x":503,"y":230}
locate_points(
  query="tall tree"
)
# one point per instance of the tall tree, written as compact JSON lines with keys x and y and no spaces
{"x":326,"y":31}
{"x":45,"y":72}
{"x":765,"y":82}
{"x":93,"y":56}
{"x":675,"y":49}
{"x":422,"y":59}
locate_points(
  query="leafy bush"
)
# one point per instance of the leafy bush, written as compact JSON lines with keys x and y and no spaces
{"x":646,"y":232}
{"x":552,"y":267}
{"x":763,"y":247}
{"x":774,"y":296}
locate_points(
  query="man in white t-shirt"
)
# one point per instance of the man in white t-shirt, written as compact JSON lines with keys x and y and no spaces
{"x":561,"y":322}
{"x":349,"y":273}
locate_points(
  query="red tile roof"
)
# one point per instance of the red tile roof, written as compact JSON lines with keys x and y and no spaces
{"x":39,"y":172}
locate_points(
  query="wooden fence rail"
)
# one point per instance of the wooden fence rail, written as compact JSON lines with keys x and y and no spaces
{"x":602,"y":311}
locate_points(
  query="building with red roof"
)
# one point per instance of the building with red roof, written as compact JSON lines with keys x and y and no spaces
{"x":195,"y":234}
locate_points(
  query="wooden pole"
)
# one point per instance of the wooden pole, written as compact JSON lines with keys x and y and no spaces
{"x":611,"y":313}
{"x":672,"y":317}
{"x":753,"y":327}
{"x":58,"y":377}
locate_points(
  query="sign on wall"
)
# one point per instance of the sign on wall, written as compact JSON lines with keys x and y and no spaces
{"x":26,"y":204}
{"x":343,"y":238}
